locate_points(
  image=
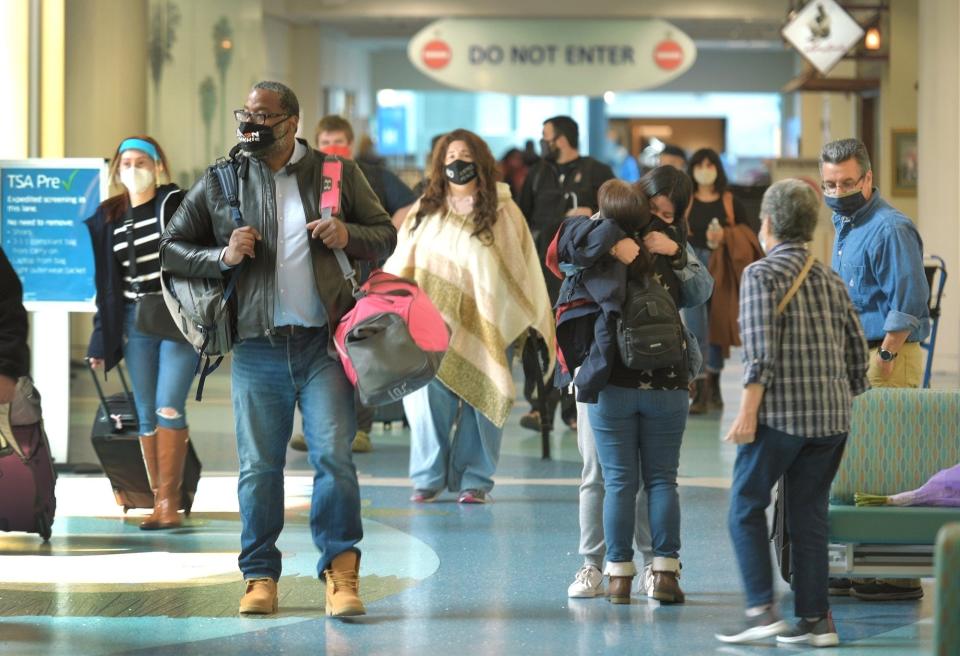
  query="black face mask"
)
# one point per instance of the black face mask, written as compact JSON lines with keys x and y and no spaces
{"x":256,"y":138}
{"x":846,"y":205}
{"x":460,"y":172}
{"x":549,"y":150}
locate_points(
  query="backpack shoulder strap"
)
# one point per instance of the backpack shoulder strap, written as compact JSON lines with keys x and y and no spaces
{"x":226,"y":172}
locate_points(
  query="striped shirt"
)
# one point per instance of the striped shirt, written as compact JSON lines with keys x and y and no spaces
{"x":146,"y":240}
{"x":811,"y":360}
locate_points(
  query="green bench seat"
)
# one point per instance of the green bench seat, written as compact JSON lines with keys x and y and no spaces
{"x":888,"y":524}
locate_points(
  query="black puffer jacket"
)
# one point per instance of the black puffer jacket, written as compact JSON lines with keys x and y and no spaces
{"x":201,"y":228}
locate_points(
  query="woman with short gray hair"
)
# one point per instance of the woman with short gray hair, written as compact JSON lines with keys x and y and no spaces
{"x":805,"y":358}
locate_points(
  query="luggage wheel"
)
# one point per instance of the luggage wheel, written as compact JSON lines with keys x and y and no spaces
{"x":44,"y":528}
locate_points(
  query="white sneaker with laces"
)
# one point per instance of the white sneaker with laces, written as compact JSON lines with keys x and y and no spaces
{"x":587,"y":583}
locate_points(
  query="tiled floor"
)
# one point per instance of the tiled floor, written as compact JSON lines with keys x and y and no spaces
{"x":438,"y":579}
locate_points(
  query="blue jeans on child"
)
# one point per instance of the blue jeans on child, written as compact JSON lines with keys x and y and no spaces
{"x":271,"y":376}
{"x":470,"y":462}
{"x":649,"y":422}
{"x":809,"y":465}
{"x":161,"y":372}
{"x":697,"y":321}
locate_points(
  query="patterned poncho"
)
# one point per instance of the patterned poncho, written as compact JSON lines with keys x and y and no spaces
{"x":488,"y":294}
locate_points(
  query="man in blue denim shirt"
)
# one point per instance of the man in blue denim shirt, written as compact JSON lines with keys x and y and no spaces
{"x":879,"y":255}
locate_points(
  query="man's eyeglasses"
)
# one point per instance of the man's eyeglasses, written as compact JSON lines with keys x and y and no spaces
{"x":243,"y":116}
{"x":845,"y":187}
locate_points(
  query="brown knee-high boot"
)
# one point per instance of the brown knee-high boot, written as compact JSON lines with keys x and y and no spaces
{"x":172,"y":447}
{"x":148,"y":446}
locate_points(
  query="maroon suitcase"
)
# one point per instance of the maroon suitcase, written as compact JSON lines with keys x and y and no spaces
{"x":27,"y":478}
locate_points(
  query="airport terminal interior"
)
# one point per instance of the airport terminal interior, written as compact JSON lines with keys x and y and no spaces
{"x":642,"y":80}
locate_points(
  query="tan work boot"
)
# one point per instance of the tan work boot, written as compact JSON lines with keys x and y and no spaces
{"x":620,"y":581}
{"x":343,"y":586}
{"x":260,"y":597}
{"x":361,"y":442}
{"x":666,"y":581}
{"x":172,"y":445}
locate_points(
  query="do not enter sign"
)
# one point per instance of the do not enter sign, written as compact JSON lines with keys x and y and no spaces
{"x":668,"y":55}
{"x":436,"y":54}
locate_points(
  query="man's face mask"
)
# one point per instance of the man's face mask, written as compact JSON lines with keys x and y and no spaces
{"x":255,"y":138}
{"x":846,"y":204}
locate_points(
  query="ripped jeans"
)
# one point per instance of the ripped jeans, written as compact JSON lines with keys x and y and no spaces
{"x":161,"y":372}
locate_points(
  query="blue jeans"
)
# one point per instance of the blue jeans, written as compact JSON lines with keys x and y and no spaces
{"x":649,"y":422}
{"x":272,"y":375}
{"x":161,"y":372}
{"x":697,"y":320}
{"x":809,"y":465}
{"x":470,"y":461}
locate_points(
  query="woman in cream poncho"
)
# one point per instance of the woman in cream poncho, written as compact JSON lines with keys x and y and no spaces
{"x":467,"y":245}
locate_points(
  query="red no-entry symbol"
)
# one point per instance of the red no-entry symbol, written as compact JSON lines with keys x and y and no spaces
{"x":436,"y":54}
{"x":668,"y":55}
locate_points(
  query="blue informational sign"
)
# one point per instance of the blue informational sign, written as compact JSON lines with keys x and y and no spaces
{"x":392,"y":130}
{"x":43,"y":204}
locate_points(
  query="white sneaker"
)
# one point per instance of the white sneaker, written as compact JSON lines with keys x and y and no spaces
{"x":587,"y":583}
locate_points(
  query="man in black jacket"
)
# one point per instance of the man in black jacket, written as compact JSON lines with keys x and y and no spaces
{"x":14,"y":352}
{"x":290,"y":297}
{"x":563,"y":183}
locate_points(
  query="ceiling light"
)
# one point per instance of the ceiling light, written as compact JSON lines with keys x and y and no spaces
{"x":872,"y":40}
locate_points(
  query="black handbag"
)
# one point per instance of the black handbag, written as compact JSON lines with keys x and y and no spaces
{"x":151,"y":316}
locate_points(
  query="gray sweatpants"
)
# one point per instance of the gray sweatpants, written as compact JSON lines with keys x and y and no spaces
{"x":592,"y":542}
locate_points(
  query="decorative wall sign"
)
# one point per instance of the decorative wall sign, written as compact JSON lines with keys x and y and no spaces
{"x":823,"y":32}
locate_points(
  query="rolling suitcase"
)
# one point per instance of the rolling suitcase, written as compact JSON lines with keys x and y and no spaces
{"x":116,"y":439}
{"x":27,"y":478}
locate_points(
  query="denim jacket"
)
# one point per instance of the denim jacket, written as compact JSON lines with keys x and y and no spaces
{"x":879,"y":255}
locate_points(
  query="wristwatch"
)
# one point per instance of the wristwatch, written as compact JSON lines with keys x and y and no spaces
{"x":886,"y":355}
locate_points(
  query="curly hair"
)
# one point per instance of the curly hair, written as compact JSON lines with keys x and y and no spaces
{"x":435,"y":195}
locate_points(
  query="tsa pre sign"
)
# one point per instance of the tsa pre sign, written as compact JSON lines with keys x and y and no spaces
{"x":552,"y":57}
{"x":42,"y":207}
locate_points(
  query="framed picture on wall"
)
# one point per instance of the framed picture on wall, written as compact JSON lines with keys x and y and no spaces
{"x":904,"y":162}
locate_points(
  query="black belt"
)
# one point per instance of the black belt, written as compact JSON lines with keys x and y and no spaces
{"x":292,"y":331}
{"x":875,"y":343}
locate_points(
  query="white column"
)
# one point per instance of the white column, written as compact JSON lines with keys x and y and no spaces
{"x":938,"y":215}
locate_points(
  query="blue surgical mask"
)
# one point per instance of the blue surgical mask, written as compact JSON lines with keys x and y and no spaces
{"x":847,"y":204}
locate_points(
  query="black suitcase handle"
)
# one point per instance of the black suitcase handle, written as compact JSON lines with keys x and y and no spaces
{"x":104,"y":408}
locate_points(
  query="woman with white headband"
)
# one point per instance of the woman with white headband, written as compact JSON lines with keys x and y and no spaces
{"x":125,"y":233}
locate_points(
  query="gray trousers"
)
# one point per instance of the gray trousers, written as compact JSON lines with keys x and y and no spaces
{"x":592,"y":542}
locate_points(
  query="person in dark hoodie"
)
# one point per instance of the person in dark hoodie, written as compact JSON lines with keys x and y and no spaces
{"x":161,"y":369}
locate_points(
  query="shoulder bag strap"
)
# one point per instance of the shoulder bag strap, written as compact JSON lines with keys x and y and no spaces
{"x":131,"y":252}
{"x":330,"y":204}
{"x":796,"y":284}
{"x":728,"y":208}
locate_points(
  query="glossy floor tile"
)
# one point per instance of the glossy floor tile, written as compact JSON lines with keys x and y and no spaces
{"x":438,"y":578}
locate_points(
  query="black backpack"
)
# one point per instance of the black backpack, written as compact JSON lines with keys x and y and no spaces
{"x":649,"y":331}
